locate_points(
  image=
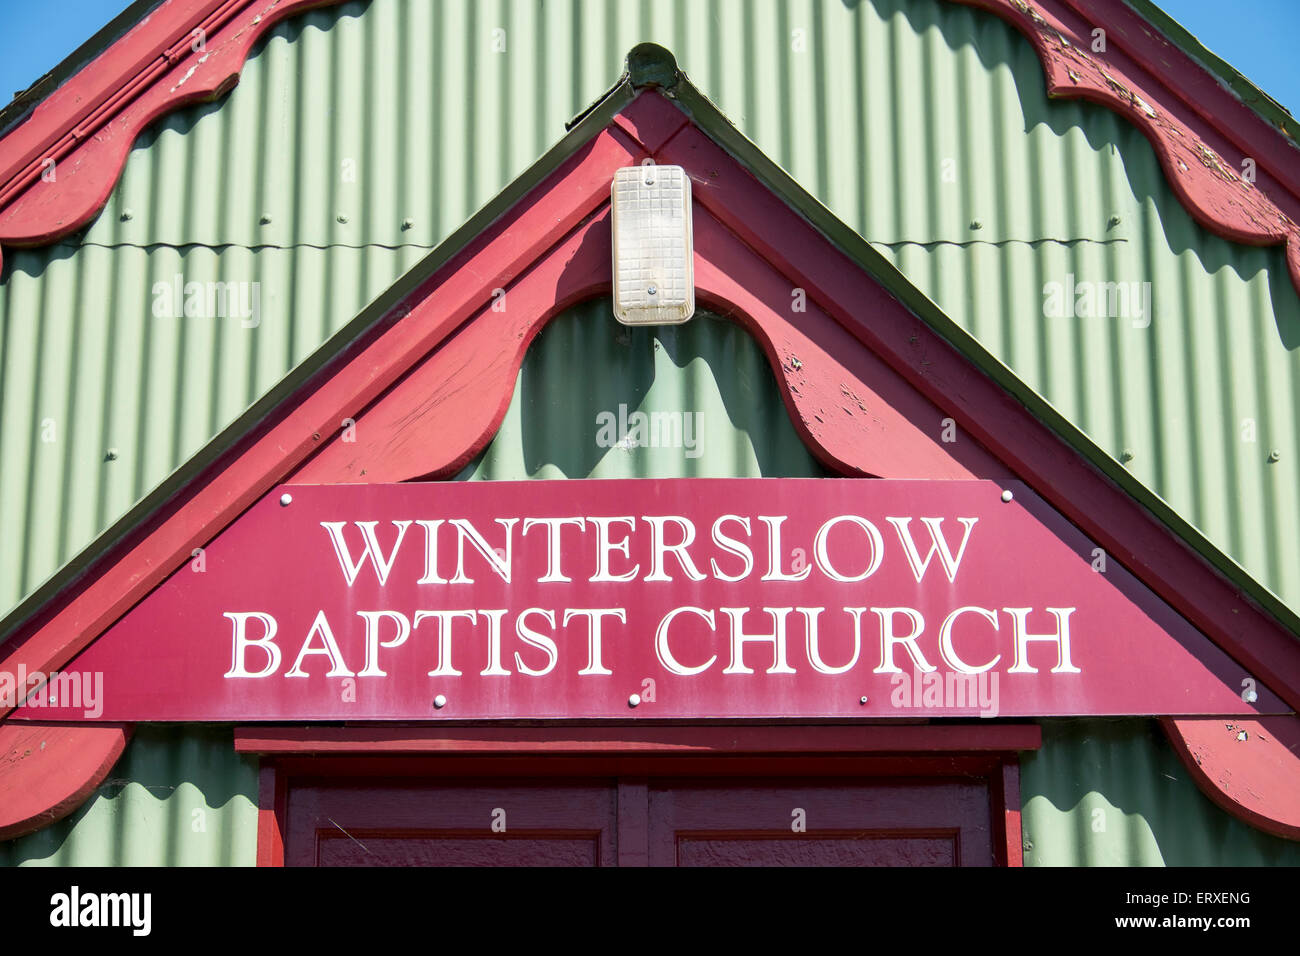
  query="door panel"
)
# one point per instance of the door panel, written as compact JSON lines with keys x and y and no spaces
{"x":432,"y":823}
{"x":464,"y":849}
{"x":664,"y":821}
{"x":830,"y":849}
{"x":827,"y":822}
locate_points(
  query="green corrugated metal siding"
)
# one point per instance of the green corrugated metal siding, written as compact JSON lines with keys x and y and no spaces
{"x":180,"y":796}
{"x":379,"y":112}
{"x":348,"y":121}
{"x":709,"y":369}
{"x":1113,"y":793}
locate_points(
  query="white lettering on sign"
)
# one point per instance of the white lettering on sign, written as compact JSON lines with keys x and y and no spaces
{"x":446,"y":636}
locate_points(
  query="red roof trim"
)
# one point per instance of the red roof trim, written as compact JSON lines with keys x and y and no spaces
{"x":1200,"y":132}
{"x":87,"y":126}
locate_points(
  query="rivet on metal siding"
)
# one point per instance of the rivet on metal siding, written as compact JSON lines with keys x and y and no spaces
{"x":1112,"y":222}
{"x":976,"y":224}
{"x":440,"y":702}
{"x":286,"y":500}
{"x":110,"y":455}
{"x":1275,"y":455}
{"x":1126,"y":455}
{"x":634,"y":700}
{"x":128,"y":214}
{"x":266,"y":219}
{"x":342,"y":217}
{"x":408,"y":223}
{"x":1007,"y":495}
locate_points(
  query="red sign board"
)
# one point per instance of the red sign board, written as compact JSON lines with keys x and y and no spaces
{"x":695,"y":598}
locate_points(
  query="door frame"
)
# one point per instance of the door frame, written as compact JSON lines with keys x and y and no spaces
{"x":639,"y":751}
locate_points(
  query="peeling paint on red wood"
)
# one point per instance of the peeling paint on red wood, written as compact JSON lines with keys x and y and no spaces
{"x":851,"y":409}
{"x":88,"y":125}
{"x":1248,"y":767}
{"x":1201,"y":157}
{"x":47,"y":770}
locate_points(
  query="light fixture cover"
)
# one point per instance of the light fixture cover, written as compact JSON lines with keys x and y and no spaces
{"x":654,"y":274}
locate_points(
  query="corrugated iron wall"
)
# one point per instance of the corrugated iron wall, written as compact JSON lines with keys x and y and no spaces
{"x":1114,"y":793}
{"x":1098,"y":793}
{"x":912,"y":121}
{"x":180,"y":796}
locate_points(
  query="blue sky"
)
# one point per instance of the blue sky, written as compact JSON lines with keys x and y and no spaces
{"x":1258,"y":37}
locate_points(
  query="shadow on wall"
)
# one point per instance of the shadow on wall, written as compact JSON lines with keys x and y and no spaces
{"x":1168,"y":226}
{"x":179,"y":796}
{"x":585,"y":378}
{"x":1114,"y":793}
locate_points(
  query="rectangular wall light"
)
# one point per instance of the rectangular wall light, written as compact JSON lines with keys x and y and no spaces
{"x":654,"y":272}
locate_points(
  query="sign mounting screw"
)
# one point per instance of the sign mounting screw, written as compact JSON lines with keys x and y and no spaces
{"x":634,"y":700}
{"x":862,"y":699}
{"x":440,"y":702}
{"x":286,"y":500}
{"x":1007,"y":495}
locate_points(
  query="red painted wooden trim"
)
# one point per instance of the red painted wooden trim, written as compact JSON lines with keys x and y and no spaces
{"x":1201,"y":158}
{"x":462,"y":390}
{"x":1256,"y":778}
{"x":1200,"y":91}
{"x":1014,"y":852}
{"x":983,"y":410}
{"x":272,"y":802}
{"x":48,"y":770}
{"x":552,"y":766}
{"x":639,"y":739}
{"x":88,"y":125}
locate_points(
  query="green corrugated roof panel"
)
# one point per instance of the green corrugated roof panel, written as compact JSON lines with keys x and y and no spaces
{"x":910,"y":121}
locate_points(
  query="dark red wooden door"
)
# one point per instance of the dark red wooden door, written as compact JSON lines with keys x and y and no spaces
{"x":669,"y":821}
